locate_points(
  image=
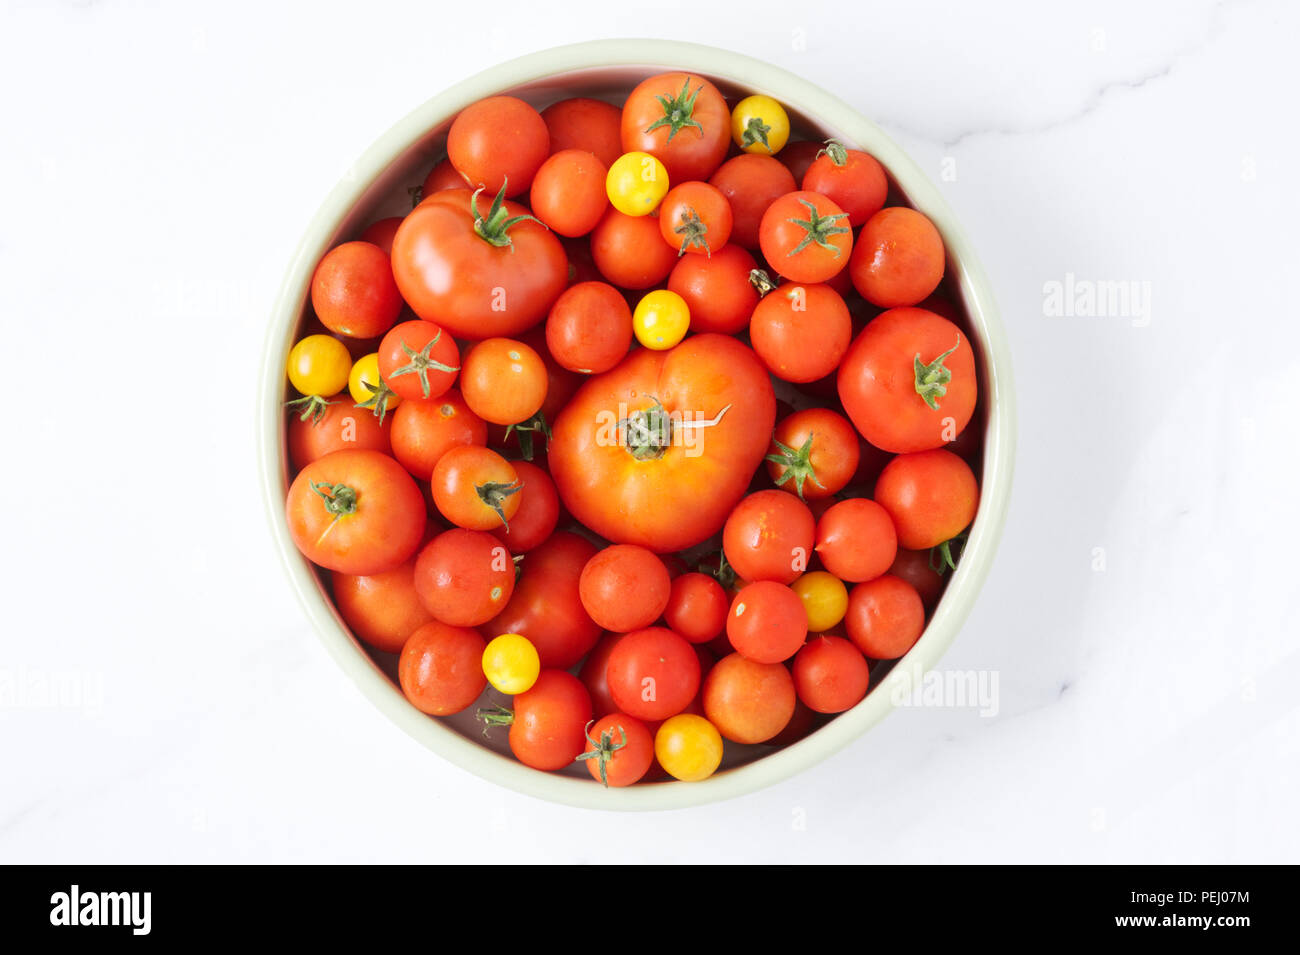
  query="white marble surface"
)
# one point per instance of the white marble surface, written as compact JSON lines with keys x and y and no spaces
{"x":159,"y":163}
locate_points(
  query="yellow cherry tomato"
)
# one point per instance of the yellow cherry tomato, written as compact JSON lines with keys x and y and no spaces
{"x":661,"y":319}
{"x":759,"y":124}
{"x":319,"y":365}
{"x":688,"y":747}
{"x":369,"y":390}
{"x":825,"y":599}
{"x":636,"y":183}
{"x":511,"y":663}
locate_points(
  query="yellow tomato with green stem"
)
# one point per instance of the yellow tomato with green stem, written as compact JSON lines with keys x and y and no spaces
{"x":318,"y":368}
{"x":759,"y":124}
{"x":368,"y":388}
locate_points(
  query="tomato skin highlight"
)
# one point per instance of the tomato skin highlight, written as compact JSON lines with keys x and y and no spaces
{"x":898,"y":259}
{"x":441,"y":668}
{"x":503,"y":381}
{"x":748,"y":702}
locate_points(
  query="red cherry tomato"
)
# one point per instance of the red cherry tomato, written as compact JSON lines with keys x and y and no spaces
{"x":697,"y":608}
{"x":418,"y":360}
{"x":931,"y":496}
{"x":806,"y":237}
{"x":340,"y":428}
{"x":852,"y":179}
{"x":856,"y":540}
{"x":548,"y":725}
{"x":498,"y":141}
{"x":619,"y":750}
{"x":588,"y":124}
{"x":682,"y":120}
{"x":539,"y":510}
{"x":441,"y":668}
{"x":920,"y":569}
{"x":830,"y":674}
{"x":885,"y":617}
{"x":695,"y":217}
{"x":381,"y":233}
{"x":381,"y":609}
{"x":769,"y":536}
{"x":630,"y":252}
{"x":568,"y":192}
{"x":801,"y":331}
{"x":898,"y":259}
{"x":423,"y":431}
{"x":589,"y":329}
{"x":464,"y":578}
{"x":767,"y":622}
{"x":750,"y":184}
{"x":653,"y":673}
{"x":624,"y":587}
{"x":799,"y":157}
{"x":717,"y":288}
{"x":814,"y":453}
{"x":353,"y":292}
{"x":593,"y":675}
{"x":749,"y":702}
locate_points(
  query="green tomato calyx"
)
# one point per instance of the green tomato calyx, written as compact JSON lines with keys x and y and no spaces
{"x":494,"y":228}
{"x":932,"y":379}
{"x":796,"y":465}
{"x":677,"y":111}
{"x":420,"y":363}
{"x":818,"y":228}
{"x":603,"y":749}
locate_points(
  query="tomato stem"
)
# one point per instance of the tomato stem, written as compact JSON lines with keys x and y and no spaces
{"x":604,"y":751}
{"x":648,"y":433}
{"x":314,"y":407}
{"x":932,"y":379}
{"x":723,"y":573}
{"x":494,"y":716}
{"x":755,"y":132}
{"x":818,"y":228}
{"x":525,"y":429}
{"x":420,"y":363}
{"x":678,"y":111}
{"x":340,"y":500}
{"x":692,"y":230}
{"x":796,"y":465}
{"x":761,"y":281}
{"x":494,"y":228}
{"x":944,"y":557}
{"x":494,"y":495}
{"x":377,"y":403}
{"x":835,"y":149}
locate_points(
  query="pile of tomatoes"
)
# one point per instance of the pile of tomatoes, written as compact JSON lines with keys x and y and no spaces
{"x":645,"y":415}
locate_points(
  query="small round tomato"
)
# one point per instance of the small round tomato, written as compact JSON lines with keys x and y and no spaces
{"x":464,"y":578}
{"x":898,"y":259}
{"x":630,"y":252}
{"x":748,"y":702}
{"x":682,"y":119}
{"x":418,"y":360}
{"x":695,"y":217}
{"x":801,"y":331}
{"x":717,"y":289}
{"x":568,"y":192}
{"x":318,"y":366}
{"x":475,"y":488}
{"x":423,"y":431}
{"x":549,"y":722}
{"x":850,"y":178}
{"x":799,"y":157}
{"x":697,"y":608}
{"x":661,"y":319}
{"x":593,"y":675}
{"x":825,"y":599}
{"x":441,"y":668}
{"x":805,"y":237}
{"x":539,"y":510}
{"x":767,"y":622}
{"x":830,"y":675}
{"x":769,"y":536}
{"x":368,"y":388}
{"x":921,"y":569}
{"x":688,"y":747}
{"x":338,"y":426}
{"x":653,"y":673}
{"x":589,"y":329}
{"x":814,"y":453}
{"x":441,"y":177}
{"x":503,"y":381}
{"x":381,"y":233}
{"x":619,"y":750}
{"x":885,"y":617}
{"x":931,"y":496}
{"x":624,"y":588}
{"x":511,"y":664}
{"x":750,"y":184}
{"x":355,"y":512}
{"x":759,"y":124}
{"x":381,"y":609}
{"x":856,"y":540}
{"x":353,"y":292}
{"x":636,"y":183}
{"x":588,"y":124}
{"x":498,"y":141}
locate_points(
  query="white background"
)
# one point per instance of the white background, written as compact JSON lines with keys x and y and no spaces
{"x":158,"y":167}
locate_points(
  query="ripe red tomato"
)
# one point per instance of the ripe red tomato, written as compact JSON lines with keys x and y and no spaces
{"x":814,"y":453}
{"x":920,"y":569}
{"x":548,"y":726}
{"x":767,"y":622}
{"x":830,"y":674}
{"x":630,"y":251}
{"x":748,"y":702}
{"x":441,"y":668}
{"x":546,"y":608}
{"x":620,"y":749}
{"x":588,"y":124}
{"x":885,"y":617}
{"x":498,"y":141}
{"x":568,"y":192}
{"x":539,"y":510}
{"x":680,"y":119}
{"x":852,"y":179}
{"x":464,"y":578}
{"x":381,"y":609}
{"x":589,"y":329}
{"x":717,"y":288}
{"x":423,"y":431}
{"x":381,"y":233}
{"x":769,"y":536}
{"x":442,"y":176}
{"x":418,"y":360}
{"x":473,"y":267}
{"x":353,"y":292}
{"x":356,"y":512}
{"x":931,"y":496}
{"x":593,"y":675}
{"x":697,"y":608}
{"x":799,"y":157}
{"x":341,"y":427}
{"x":657,"y":451}
{"x":805,"y":237}
{"x":653,"y":673}
{"x":898,"y":259}
{"x":908,"y":381}
{"x":503,"y":381}
{"x":475,"y":488}
{"x":751,"y":183}
{"x":801,"y":331}
{"x":856,"y":540}
{"x":624,"y":588}
{"x":695,"y":217}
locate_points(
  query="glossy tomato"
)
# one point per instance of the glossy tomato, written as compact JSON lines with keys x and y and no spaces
{"x":418,"y":360}
{"x":806,"y":237}
{"x":767,"y":622}
{"x":381,"y":609}
{"x":769,"y":536}
{"x":630,"y":252}
{"x":801,"y":331}
{"x":751,"y":184}
{"x":748,"y":702}
{"x":339,"y":427}
{"x":697,"y":608}
{"x":619,"y":750}
{"x":814,"y":453}
{"x":931,"y":496}
{"x":503,"y":381}
{"x":856,"y":540}
{"x":681,"y":119}
{"x":850,"y":178}
{"x":624,"y":588}
{"x":475,"y":488}
{"x":589,"y":329}
{"x":653,"y":673}
{"x":885,"y":617}
{"x":830,"y":674}
{"x":717,"y":289}
{"x":353,"y":292}
{"x":464,"y":578}
{"x":423,"y":431}
{"x":498,"y":142}
{"x":539,"y":510}
{"x":568,"y":192}
{"x":695,"y":217}
{"x":588,"y":124}
{"x":441,"y":668}
{"x":549,"y":721}
{"x":898,"y":259}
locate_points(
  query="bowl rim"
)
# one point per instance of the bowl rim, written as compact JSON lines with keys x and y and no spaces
{"x":999,"y":449}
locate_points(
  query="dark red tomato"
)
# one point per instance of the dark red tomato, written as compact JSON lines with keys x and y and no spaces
{"x":801,"y":331}
{"x":769,"y":536}
{"x":898,"y":259}
{"x":546,"y":608}
{"x":931,"y":496}
{"x":381,"y":233}
{"x":381,"y":609}
{"x":717,"y":288}
{"x":493,"y":282}
{"x":814,"y":453}
{"x":423,"y":431}
{"x":353,"y":292}
{"x":588,"y":124}
{"x":803,"y":722}
{"x":852,"y":179}
{"x":695,"y":217}
{"x":593,"y":675}
{"x":498,"y":141}
{"x":885,"y":617}
{"x":682,"y":120}
{"x":441,"y":668}
{"x":856,"y":540}
{"x":799,"y":157}
{"x":630,"y":252}
{"x":442,"y":176}
{"x":697,"y":608}
{"x":539,"y":510}
{"x":750,"y":184}
{"x":341,"y":427}
{"x":805,"y":237}
{"x":919,"y":568}
{"x":589,"y":329}
{"x":653,"y":673}
{"x":568,"y":192}
{"x":464,"y":578}
{"x":767,"y":622}
{"x":619,"y":750}
{"x":548,"y":728}
{"x":624,"y":587}
{"x":830,"y":674}
{"x":748,"y":702}
{"x":418,"y":360}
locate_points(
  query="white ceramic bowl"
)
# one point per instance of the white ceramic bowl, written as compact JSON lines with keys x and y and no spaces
{"x":375,"y":187}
